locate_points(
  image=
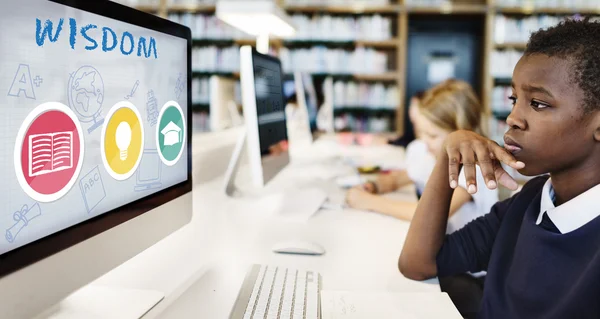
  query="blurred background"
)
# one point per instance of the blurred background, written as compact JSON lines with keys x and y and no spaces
{"x":367,"y":58}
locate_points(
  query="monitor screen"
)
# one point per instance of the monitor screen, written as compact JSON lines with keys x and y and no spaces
{"x":94,"y":113}
{"x":270,"y":106}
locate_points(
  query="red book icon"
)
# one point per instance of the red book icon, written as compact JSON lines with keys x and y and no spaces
{"x":51,"y":152}
{"x":48,"y":152}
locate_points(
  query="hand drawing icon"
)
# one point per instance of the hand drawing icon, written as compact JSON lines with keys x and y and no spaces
{"x":152,"y":108}
{"x":22,"y":219}
{"x":179,"y":86}
{"x":92,"y":189}
{"x":86,"y":95}
{"x":135,"y":86}
{"x":23,"y":83}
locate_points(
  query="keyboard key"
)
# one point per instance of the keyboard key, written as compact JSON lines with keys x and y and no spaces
{"x":253,"y":296}
{"x":281,"y":293}
{"x":276,"y":293}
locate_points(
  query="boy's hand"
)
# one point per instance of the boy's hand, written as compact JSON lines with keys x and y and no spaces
{"x":468,"y":149}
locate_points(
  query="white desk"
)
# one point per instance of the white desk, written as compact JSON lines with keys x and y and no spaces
{"x":362,"y":251}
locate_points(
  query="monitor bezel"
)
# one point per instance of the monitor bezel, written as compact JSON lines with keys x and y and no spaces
{"x":52,"y":244}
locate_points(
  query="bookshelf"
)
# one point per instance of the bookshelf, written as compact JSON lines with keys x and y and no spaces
{"x":399,"y":13}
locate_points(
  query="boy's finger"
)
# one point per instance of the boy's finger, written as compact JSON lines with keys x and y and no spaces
{"x":468,"y":160}
{"x":504,"y":178}
{"x":454,"y":166}
{"x":506,"y":157}
{"x":486,"y":164}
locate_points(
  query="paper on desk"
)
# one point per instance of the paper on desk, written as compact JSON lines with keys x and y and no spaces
{"x":382,"y":305}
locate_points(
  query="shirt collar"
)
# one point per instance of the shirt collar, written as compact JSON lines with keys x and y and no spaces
{"x":570,"y":215}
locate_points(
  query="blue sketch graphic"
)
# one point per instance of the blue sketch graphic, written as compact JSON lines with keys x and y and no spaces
{"x":86,"y":94}
{"x":38,"y":81}
{"x":148,"y":175}
{"x":22,"y":218}
{"x":152,"y":108}
{"x":179,"y":86}
{"x":135,"y":86}
{"x":22,"y":83}
{"x":92,"y":189}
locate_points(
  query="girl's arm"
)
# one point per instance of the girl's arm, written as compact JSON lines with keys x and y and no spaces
{"x":404,"y":210}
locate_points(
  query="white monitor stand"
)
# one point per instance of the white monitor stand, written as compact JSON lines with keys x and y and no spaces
{"x":234,"y":165}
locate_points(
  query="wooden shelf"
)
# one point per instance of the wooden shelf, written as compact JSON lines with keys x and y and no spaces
{"x":343,"y":9}
{"x":382,"y":77}
{"x":541,"y":10}
{"x":508,"y":45}
{"x":363,"y":109}
{"x":391,"y":76}
{"x":235,"y":75}
{"x":383,"y":44}
{"x":148,"y":8}
{"x":504,"y":81}
{"x":450,"y":9}
{"x":199,"y":8}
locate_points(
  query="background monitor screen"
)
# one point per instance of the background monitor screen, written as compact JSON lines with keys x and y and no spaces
{"x":94,"y":115}
{"x":270,"y":105}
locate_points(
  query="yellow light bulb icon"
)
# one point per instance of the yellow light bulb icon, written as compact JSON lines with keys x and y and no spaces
{"x":123,"y":139}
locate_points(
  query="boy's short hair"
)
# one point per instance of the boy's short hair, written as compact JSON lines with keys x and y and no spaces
{"x":579,"y":42}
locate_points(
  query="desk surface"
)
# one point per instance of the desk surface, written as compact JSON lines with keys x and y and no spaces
{"x":361,"y":248}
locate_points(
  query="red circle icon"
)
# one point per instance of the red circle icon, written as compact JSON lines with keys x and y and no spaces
{"x":50,"y":152}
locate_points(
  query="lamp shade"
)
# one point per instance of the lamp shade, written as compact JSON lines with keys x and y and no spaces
{"x":256,"y":17}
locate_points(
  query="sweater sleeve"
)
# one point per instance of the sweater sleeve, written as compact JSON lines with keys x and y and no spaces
{"x":469,"y":248}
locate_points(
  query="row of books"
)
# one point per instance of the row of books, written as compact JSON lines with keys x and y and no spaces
{"x":207,"y":26}
{"x":320,"y":59}
{"x":502,"y":63}
{"x":201,"y":121}
{"x":500,"y":100}
{"x":375,"y":96}
{"x":200,"y":90}
{"x":321,"y":28}
{"x":575,"y":4}
{"x":427,"y":3}
{"x":336,"y":2}
{"x":517,"y":30}
{"x":216,"y":59}
{"x":363,"y":123}
{"x":342,"y":28}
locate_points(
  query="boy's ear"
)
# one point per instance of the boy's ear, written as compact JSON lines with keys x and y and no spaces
{"x":597,"y":127}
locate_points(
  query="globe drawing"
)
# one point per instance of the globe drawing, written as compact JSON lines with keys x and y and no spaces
{"x":86,"y":94}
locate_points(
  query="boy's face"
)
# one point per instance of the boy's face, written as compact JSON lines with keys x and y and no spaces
{"x":547,"y":130}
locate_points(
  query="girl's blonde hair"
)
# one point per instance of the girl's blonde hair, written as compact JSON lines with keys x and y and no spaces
{"x":453,"y":105}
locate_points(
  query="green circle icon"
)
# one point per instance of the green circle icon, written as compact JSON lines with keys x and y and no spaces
{"x":170,"y":133}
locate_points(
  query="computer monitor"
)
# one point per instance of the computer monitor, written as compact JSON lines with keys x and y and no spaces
{"x":93,"y":172}
{"x":264,"y":113}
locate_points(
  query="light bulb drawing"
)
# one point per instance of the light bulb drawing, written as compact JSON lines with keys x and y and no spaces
{"x":123,"y":137}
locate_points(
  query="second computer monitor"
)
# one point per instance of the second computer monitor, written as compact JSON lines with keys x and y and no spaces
{"x":264,"y":113}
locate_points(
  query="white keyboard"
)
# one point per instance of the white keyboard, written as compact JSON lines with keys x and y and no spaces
{"x":277,"y":292}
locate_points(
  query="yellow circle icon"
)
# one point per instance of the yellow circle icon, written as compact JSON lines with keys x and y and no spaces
{"x":122,"y":141}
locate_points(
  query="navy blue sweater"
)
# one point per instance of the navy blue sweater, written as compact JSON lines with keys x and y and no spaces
{"x":531,"y":272}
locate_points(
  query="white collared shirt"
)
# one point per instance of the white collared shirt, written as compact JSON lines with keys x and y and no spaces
{"x":573,"y":214}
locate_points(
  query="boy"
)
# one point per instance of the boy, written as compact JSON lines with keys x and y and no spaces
{"x":540,"y":248}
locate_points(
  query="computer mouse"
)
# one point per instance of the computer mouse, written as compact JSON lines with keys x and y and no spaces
{"x":299,"y":248}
